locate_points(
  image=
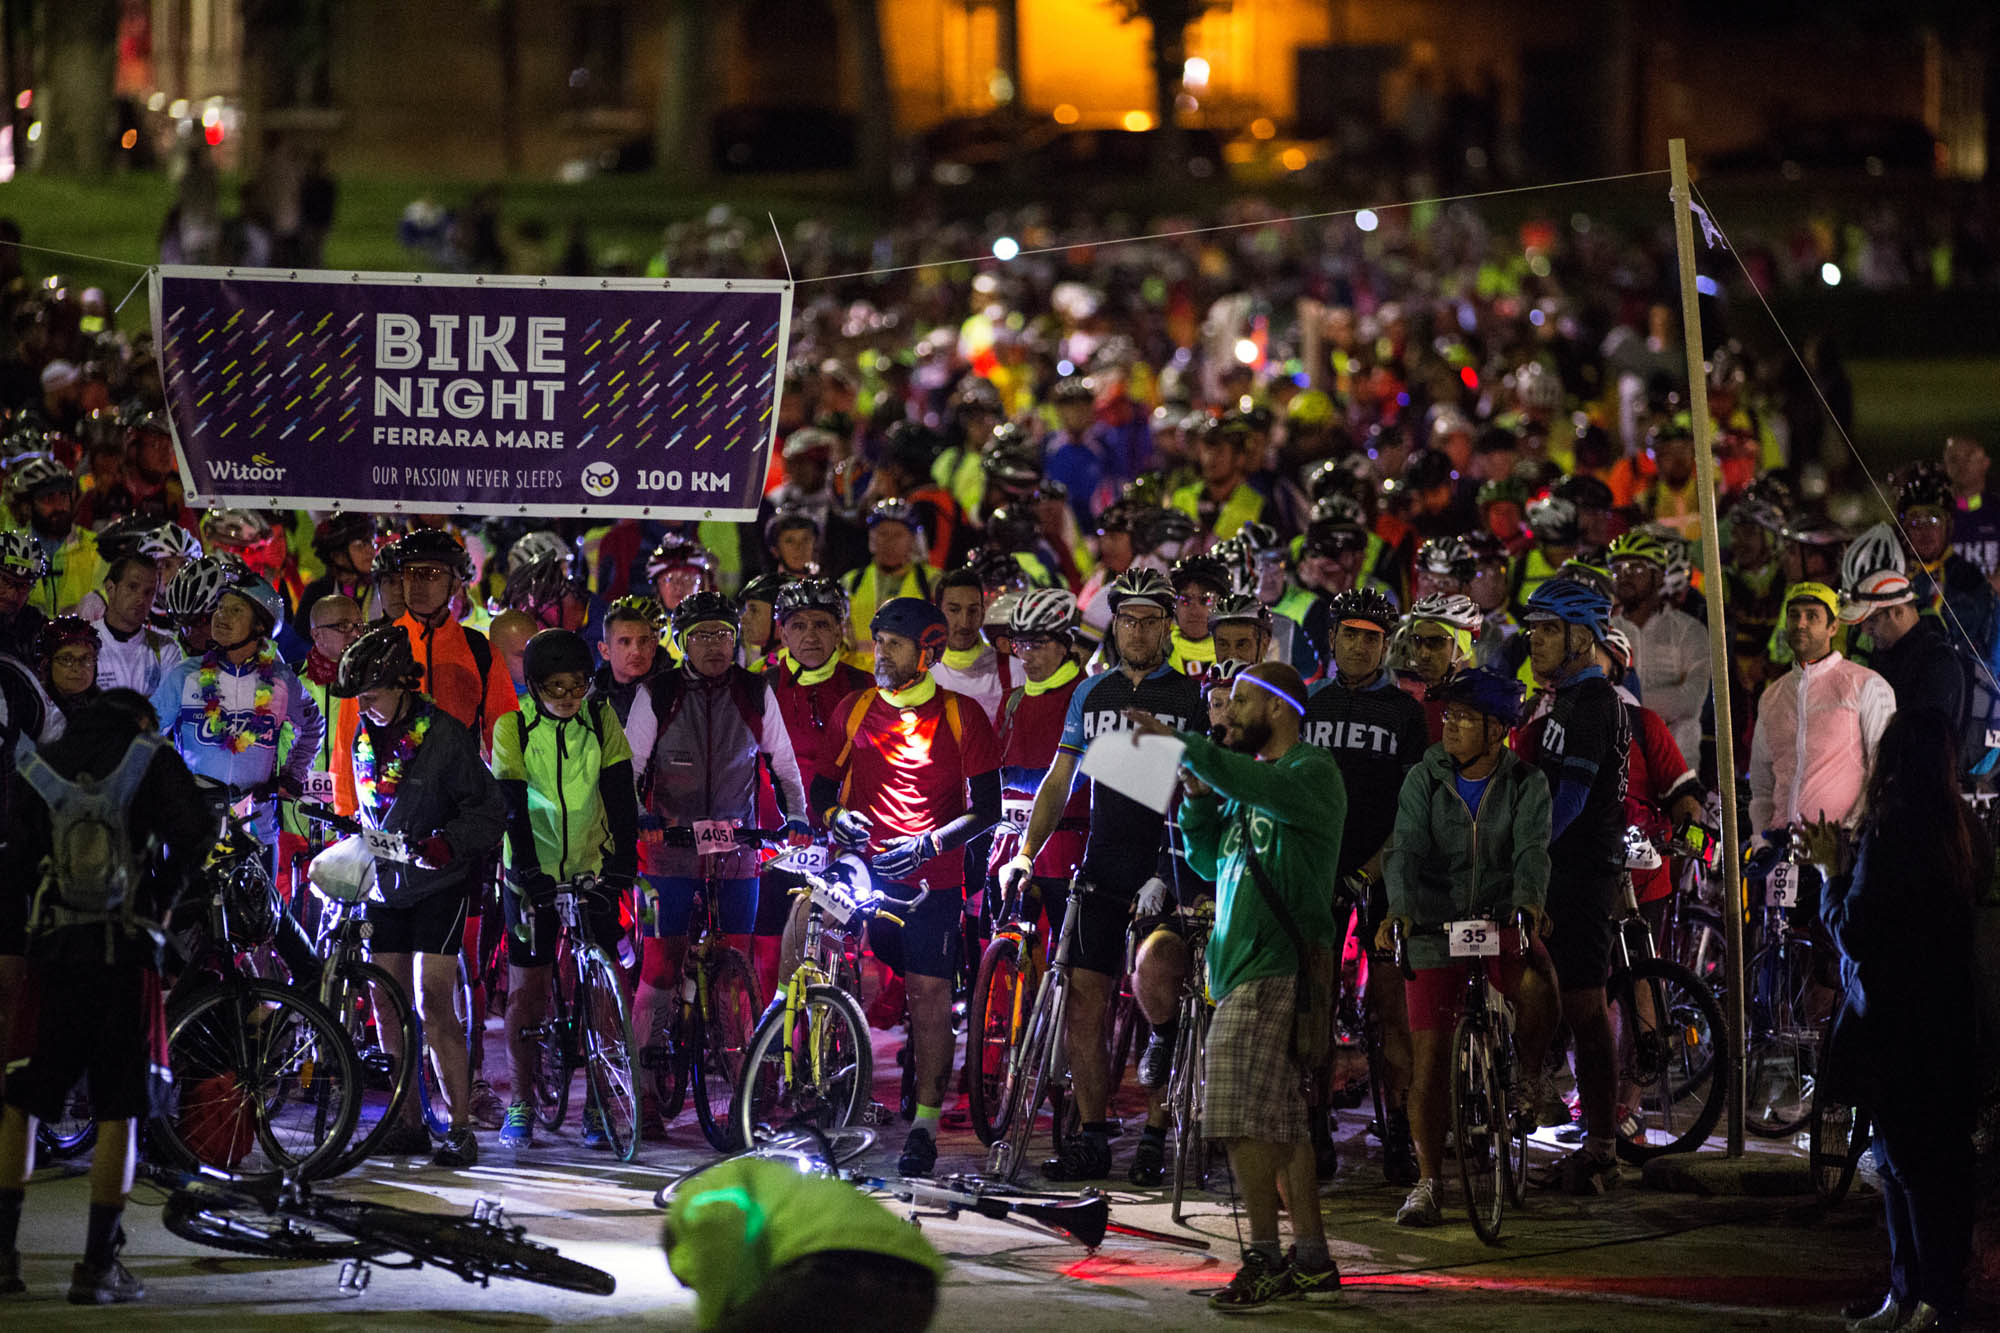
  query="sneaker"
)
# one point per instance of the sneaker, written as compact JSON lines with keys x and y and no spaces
{"x":459,"y":1148}
{"x":405,"y":1140}
{"x":1625,"y":1124}
{"x":1421,"y":1208}
{"x":1156,"y":1062}
{"x":594,"y":1133}
{"x":518,"y":1129}
{"x":1258,"y":1283}
{"x":1584,"y":1172}
{"x":1149,"y":1160}
{"x":1311,"y":1284}
{"x":1081,"y":1157}
{"x":919,"y":1154}
{"x":1399,"y":1152}
{"x":1923,"y":1317}
{"x":10,"y":1274}
{"x":487,"y":1109}
{"x":112,"y":1284}
{"x":1888,"y":1315}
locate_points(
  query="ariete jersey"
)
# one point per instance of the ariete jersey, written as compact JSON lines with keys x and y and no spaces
{"x":1376,"y":734}
{"x":1125,"y":837}
{"x":1583,"y":738}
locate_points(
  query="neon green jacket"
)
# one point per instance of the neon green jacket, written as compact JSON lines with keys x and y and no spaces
{"x":571,"y":806}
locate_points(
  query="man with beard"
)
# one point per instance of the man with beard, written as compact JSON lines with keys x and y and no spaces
{"x":1263,"y":817}
{"x":48,"y":492}
{"x":916,"y":778}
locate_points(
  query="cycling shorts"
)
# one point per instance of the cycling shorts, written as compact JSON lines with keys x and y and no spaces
{"x":1102,"y":925}
{"x":1436,"y":995}
{"x":669,"y":905}
{"x":600,"y":920}
{"x":73,"y":1019}
{"x":1580,"y":908}
{"x":434,"y":925}
{"x":928,"y":941}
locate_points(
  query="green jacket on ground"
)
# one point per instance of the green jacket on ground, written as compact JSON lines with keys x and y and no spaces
{"x":1444,"y":866}
{"x":1295,"y":807}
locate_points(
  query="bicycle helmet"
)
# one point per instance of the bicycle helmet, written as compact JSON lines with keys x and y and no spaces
{"x":786,"y":520}
{"x":1619,"y":648}
{"x":1072,"y":389}
{"x":22,"y":556}
{"x":1341,"y":509}
{"x":677,"y":552}
{"x":1484,"y":691}
{"x":701,"y":607}
{"x":1011,"y":463}
{"x":250,"y":905}
{"x":1011,"y":529}
{"x":538,"y":583}
{"x":1925,"y":485}
{"x":1044,"y":611}
{"x":1352,"y":475}
{"x":1573,"y":602}
{"x":1239,"y":608}
{"x":810,"y":595}
{"x":893,"y":511}
{"x":1640,"y":544}
{"x":33,"y":474}
{"x":1502,"y":490}
{"x":1310,"y":410}
{"x":1876,"y":549}
{"x":646,"y":608}
{"x":1369,"y":605}
{"x":59,"y":634}
{"x":1118,"y":516}
{"x":914,"y":618}
{"x":259,"y":594}
{"x":1224,"y":673}
{"x":1163,"y":532}
{"x":1140,"y":585}
{"x":193,"y":592}
{"x":333,"y":534}
{"x":810,"y":442}
{"x":910,"y":446}
{"x":1553,"y":521}
{"x":976,"y":393}
{"x":1537,"y":388}
{"x":1595,"y":577}
{"x":998,"y":570}
{"x":553,"y":652}
{"x":236,"y":528}
{"x":541,"y":544}
{"x":1451,"y":609}
{"x":1259,"y":539}
{"x":1680,"y":567}
{"x":379,"y":660}
{"x":1427,"y":469}
{"x":1446,"y":557}
{"x":1584,"y":491}
{"x":1806,"y":530}
{"x":1758,"y":513}
{"x":1482,"y":547}
{"x":1201,"y":569}
{"x":431,"y":546}
{"x":1331,"y":539}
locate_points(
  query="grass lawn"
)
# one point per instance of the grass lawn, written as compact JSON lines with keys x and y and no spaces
{"x":1904,"y":409}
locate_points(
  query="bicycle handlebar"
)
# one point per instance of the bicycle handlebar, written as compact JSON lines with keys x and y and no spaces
{"x":1400,"y":933}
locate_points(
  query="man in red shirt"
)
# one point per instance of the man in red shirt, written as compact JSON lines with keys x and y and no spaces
{"x":917,"y":776}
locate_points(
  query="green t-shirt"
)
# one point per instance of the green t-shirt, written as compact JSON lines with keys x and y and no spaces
{"x":1295,"y":807}
{"x":740,"y":1220}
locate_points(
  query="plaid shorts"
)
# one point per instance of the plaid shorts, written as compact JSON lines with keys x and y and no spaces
{"x":1253,"y":1085}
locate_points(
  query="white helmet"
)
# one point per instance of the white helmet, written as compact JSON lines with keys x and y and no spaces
{"x":1453,"y":609}
{"x":1044,"y":611}
{"x":1877,"y":549}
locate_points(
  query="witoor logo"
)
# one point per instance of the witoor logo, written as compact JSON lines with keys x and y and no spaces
{"x":600,"y":479}
{"x":259,"y":468}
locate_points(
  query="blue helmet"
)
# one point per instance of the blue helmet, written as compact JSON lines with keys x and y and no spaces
{"x":915,"y":618}
{"x":1488,"y":692}
{"x":1573,"y":603}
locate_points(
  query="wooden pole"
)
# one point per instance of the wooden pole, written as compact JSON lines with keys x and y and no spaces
{"x":1718,"y":639}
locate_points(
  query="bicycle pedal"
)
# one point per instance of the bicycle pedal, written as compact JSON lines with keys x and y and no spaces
{"x":493,"y":1212}
{"x":1000,"y":1160}
{"x":354,"y":1277}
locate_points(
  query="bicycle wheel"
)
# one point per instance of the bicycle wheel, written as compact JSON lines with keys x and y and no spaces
{"x":253,"y":1231}
{"x":362,"y":992}
{"x":991,"y":1031}
{"x":1480,"y":1125}
{"x":1184,"y":1092}
{"x":72,"y":1132}
{"x":1783,"y":1047}
{"x":728,"y":1024}
{"x":264,"y":1084}
{"x":1035,"y":1074}
{"x":1835,"y":1142}
{"x":832,"y":1068}
{"x":475,"y":1250}
{"x":1697,"y":944}
{"x":1676,"y":1058}
{"x":1128,"y":1034}
{"x":553,"y":1046}
{"x":607,"y":1054}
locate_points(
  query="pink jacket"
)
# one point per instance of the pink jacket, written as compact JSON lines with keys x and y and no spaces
{"x":1816,"y":731}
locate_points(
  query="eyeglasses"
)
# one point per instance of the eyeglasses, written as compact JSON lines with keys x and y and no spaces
{"x":1207,"y":599}
{"x":1028,"y":643}
{"x":426,"y":573}
{"x":1141,"y":622}
{"x":74,"y":661}
{"x":553,"y":691}
{"x":340,"y":627}
{"x":1461,"y":717}
{"x":1921,"y":520}
{"x":710,"y":636}
{"x":1431,"y":641}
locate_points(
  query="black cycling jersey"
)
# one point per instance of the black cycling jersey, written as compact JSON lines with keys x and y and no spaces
{"x":1376,"y":735}
{"x":1584,"y":737}
{"x":1126,"y":839}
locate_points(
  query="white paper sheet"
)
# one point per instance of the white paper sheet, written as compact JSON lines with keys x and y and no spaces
{"x":1146,"y":772}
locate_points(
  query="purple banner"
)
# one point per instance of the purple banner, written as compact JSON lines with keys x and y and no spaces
{"x":455,"y":394}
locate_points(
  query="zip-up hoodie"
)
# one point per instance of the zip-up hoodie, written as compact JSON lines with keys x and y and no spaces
{"x":571,"y":805}
{"x":1816,"y":731}
{"x":1444,"y":866}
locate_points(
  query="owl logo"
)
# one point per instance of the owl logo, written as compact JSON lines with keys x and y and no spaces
{"x":600,"y":479}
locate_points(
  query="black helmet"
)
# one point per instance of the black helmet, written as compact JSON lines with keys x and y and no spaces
{"x":1240,"y":607}
{"x":1338,"y":508}
{"x":1426,"y":470}
{"x":380,"y":659}
{"x":997,"y":569}
{"x":1072,"y":389}
{"x":1925,"y":485}
{"x":1118,"y":516}
{"x":1332,"y":539}
{"x":1011,"y":529}
{"x":911,"y":446}
{"x":335,"y":532}
{"x":784,"y":521}
{"x":1201,"y":569}
{"x":1011,"y":462}
{"x":553,"y":652}
{"x":764,"y":588}
{"x":698,"y":607}
{"x":810,"y":595}
{"x":435,"y":546}
{"x":1584,"y":491}
{"x":538,"y":584}
{"x":976,"y":393}
{"x":1367,"y":604}
{"x":1157,"y":528}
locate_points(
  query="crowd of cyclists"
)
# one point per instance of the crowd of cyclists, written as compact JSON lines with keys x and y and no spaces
{"x":1447,"y":550}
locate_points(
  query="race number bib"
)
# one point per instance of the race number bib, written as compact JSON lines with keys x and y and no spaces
{"x":386,"y":846}
{"x":1473,"y":939}
{"x":714,"y":836}
{"x":1015,"y":812}
{"x":1781,"y":887}
{"x":319,"y":787}
{"x":803,"y":861}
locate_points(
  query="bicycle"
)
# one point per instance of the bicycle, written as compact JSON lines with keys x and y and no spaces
{"x":811,"y":1059}
{"x":1837,"y":1139}
{"x":1669,"y":1030}
{"x":588,"y":1026}
{"x":287,"y":1220}
{"x":1489,"y":1141}
{"x":1783,"y":1037}
{"x":1010,"y":972}
{"x":263,"y":1082}
{"x":718,"y":1011}
{"x":1186,"y":1084}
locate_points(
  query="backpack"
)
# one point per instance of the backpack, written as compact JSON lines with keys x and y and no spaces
{"x":482,"y":662}
{"x":93,"y":866}
{"x":868,"y":696}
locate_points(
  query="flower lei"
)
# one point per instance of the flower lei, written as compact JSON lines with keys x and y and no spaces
{"x":237,"y":739}
{"x":372,"y":787}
